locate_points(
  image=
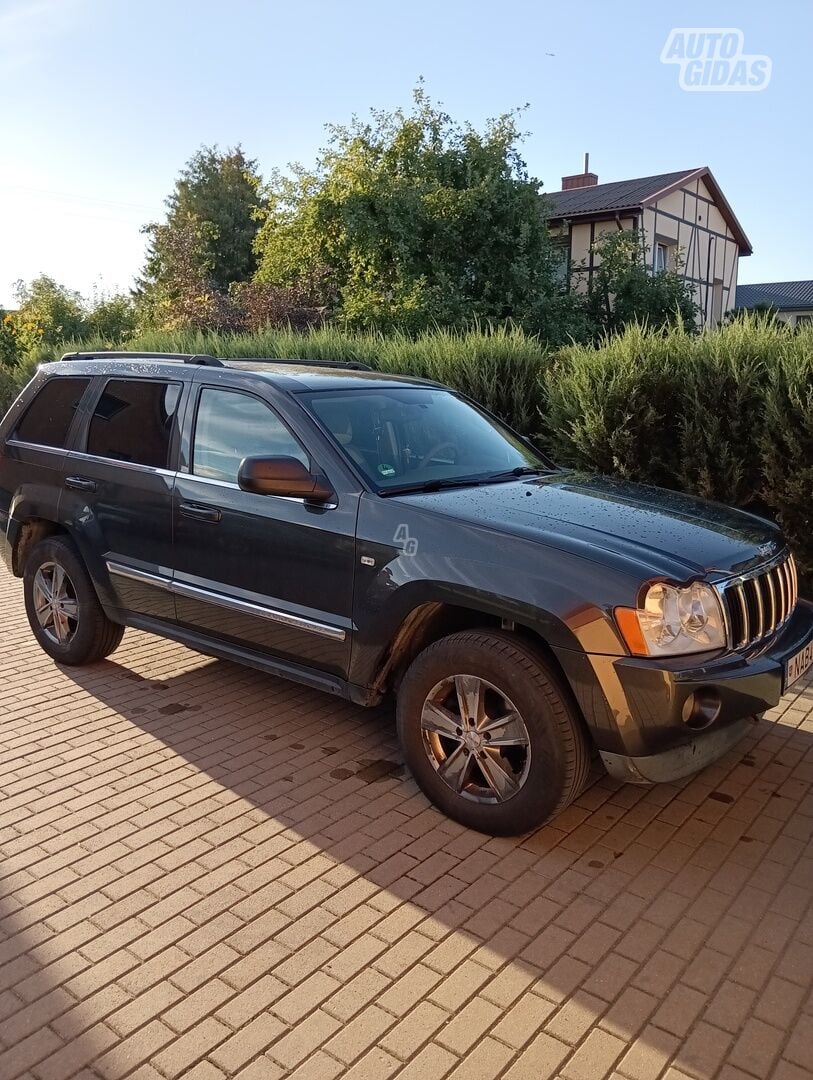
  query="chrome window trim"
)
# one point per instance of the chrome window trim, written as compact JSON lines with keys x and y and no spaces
{"x":81,"y":455}
{"x":243,"y":607}
{"x":236,"y":487}
{"x":24,"y":445}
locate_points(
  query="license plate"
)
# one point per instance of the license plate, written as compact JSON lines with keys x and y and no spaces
{"x":798,"y":664}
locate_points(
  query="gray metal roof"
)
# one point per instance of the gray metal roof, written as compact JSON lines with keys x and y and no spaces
{"x":620,"y":195}
{"x":783,"y":295}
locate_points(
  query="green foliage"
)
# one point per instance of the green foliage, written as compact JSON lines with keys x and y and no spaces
{"x":410,"y":220}
{"x":13,"y":378}
{"x":787,"y":443}
{"x":622,"y":289}
{"x":727,"y":415}
{"x":205,"y":244}
{"x":56,"y":310}
{"x":616,"y":408}
{"x":8,"y":340}
{"x":499,"y":367}
{"x":111,"y":318}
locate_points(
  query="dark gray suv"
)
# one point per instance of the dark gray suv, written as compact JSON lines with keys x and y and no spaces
{"x":368,"y":534}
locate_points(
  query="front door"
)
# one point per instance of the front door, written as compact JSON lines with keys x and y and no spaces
{"x":274,"y":575}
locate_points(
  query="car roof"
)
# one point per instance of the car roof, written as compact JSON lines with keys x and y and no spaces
{"x":301,"y":375}
{"x":291,"y":375}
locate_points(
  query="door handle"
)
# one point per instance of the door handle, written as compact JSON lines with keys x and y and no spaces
{"x":80,"y":483}
{"x":200,"y":513}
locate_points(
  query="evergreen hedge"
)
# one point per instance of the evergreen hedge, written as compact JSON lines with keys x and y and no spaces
{"x":727,"y":414}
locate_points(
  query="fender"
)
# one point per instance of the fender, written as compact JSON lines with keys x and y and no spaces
{"x":33,"y":513}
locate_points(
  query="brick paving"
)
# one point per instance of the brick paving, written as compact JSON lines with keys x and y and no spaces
{"x":210,"y":873}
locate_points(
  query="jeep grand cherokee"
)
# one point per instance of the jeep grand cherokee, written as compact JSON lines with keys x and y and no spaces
{"x":368,"y":534}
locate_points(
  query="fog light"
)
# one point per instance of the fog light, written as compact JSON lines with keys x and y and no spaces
{"x":701,"y":709}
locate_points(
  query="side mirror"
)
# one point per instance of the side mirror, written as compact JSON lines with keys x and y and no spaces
{"x":285,"y":476}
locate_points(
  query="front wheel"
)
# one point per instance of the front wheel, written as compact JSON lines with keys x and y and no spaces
{"x":62,"y":607}
{"x":488,"y":733}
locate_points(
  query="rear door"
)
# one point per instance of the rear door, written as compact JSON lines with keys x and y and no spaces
{"x":33,"y":455}
{"x":273,"y":575}
{"x":117,"y":497}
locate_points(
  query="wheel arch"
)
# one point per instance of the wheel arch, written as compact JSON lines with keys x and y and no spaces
{"x":25,"y":534}
{"x":432,"y":620}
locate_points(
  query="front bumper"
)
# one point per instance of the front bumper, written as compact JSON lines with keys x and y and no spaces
{"x":645,"y":723}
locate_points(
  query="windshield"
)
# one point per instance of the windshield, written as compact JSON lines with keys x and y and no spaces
{"x":413,"y":438}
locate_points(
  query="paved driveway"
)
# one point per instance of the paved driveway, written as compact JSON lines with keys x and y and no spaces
{"x":207,"y":872}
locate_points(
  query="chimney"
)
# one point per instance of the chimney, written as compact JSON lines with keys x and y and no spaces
{"x":578,"y":180}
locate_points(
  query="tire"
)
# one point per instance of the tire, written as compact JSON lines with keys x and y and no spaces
{"x":79,"y":632}
{"x":543,"y":761}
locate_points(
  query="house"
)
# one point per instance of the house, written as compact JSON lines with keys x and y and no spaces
{"x":792,"y":300}
{"x":687,"y":225}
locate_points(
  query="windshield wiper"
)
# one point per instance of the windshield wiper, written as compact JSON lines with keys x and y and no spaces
{"x":436,"y":485}
{"x":520,"y":470}
{"x":426,"y":486}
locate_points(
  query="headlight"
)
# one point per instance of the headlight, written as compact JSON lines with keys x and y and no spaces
{"x":674,"y":620}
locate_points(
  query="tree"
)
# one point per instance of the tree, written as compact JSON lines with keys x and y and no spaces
{"x":410,"y":219}
{"x":111,"y":318}
{"x":55,"y":310}
{"x":622,"y":289}
{"x":206,"y":242}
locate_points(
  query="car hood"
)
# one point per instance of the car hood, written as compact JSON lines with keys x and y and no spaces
{"x":663,"y":532}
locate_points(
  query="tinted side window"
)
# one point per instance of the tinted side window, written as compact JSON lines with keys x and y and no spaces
{"x":49,"y":415}
{"x":231,"y":426}
{"x":133,"y":421}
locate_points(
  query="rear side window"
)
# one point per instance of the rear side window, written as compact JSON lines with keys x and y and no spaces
{"x":49,"y":416}
{"x":133,"y":421}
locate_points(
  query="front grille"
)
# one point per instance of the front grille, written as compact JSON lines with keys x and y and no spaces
{"x":758,"y":604}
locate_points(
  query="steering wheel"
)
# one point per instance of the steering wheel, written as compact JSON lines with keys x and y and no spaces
{"x":436,"y":449}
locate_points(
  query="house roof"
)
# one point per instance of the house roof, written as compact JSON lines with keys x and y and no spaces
{"x":620,"y":195}
{"x":783,"y":295}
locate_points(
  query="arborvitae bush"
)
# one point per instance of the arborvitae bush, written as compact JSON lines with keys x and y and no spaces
{"x":786,"y":446}
{"x":498,"y":366}
{"x":726,"y":414}
{"x":616,"y":408}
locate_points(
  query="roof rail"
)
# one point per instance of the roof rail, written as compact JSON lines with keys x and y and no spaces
{"x":350,"y":365}
{"x":180,"y":358}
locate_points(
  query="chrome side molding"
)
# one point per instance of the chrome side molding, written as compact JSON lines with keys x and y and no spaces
{"x":229,"y":603}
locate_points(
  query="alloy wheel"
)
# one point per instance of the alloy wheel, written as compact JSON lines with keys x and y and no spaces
{"x":55,"y":603}
{"x":476,"y":739}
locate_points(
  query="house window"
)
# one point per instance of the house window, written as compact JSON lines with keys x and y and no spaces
{"x":804,"y":320}
{"x":561,"y":263}
{"x":661,"y":258}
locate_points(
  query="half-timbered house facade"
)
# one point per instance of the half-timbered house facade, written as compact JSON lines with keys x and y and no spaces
{"x":687,"y":224}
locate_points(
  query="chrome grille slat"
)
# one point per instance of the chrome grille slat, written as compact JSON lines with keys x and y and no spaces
{"x":792,"y":565}
{"x":773,"y":617}
{"x":759,"y":603}
{"x":757,"y":587}
{"x":782,"y":594}
{"x":789,"y":579}
{"x":740,"y":593}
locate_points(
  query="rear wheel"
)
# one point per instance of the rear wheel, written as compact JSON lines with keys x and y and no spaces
{"x":62,"y":607}
{"x":488,"y":733}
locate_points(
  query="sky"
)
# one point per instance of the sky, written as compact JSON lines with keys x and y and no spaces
{"x":102,"y":102}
